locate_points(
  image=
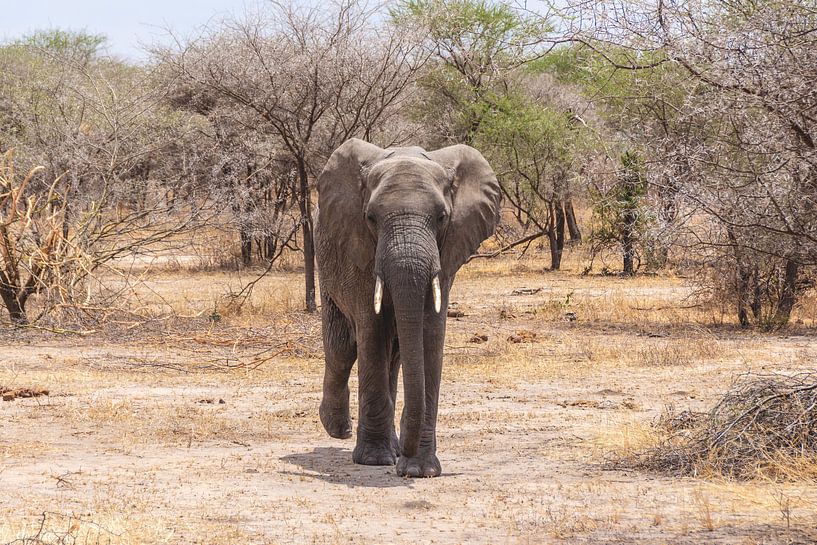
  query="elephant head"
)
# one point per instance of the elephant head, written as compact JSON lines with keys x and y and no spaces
{"x":410,"y":219}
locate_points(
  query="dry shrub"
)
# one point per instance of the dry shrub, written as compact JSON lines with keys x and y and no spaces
{"x":765,"y":425}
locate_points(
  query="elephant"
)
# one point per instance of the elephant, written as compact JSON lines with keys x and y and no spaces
{"x":393,"y":227}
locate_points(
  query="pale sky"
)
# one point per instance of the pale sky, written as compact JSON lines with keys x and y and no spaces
{"x":130,"y":24}
{"x":126,"y":23}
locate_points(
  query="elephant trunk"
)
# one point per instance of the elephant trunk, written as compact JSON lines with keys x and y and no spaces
{"x":410,"y":335}
{"x":408,"y":261}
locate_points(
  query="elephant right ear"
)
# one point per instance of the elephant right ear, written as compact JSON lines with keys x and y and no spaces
{"x":340,"y":200}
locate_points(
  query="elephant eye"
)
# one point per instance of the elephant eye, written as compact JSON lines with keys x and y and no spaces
{"x":370,"y":217}
{"x":441,"y":217}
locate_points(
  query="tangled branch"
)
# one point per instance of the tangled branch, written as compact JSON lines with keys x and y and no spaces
{"x":765,"y":424}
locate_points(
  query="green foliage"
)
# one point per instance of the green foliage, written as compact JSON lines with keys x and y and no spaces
{"x":42,"y":76}
{"x":65,"y":106}
{"x":632,"y":185}
{"x":631,"y":99}
{"x":534,"y":147}
{"x":531,"y":136}
{"x":78,"y":46}
{"x":612,"y":205}
{"x":573,"y":64}
{"x":478,"y":27}
{"x":620,"y":214}
{"x":475,"y":45}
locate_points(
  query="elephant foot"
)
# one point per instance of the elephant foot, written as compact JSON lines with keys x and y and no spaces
{"x":337,"y":423}
{"x":422,"y":465}
{"x":368,"y":454}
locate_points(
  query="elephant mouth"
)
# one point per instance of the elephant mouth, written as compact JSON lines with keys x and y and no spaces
{"x":435,"y":290}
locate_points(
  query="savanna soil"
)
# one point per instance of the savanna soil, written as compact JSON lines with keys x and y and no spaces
{"x":205,"y":430}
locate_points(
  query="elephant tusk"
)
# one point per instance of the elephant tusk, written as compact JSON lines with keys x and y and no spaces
{"x":438,"y":299}
{"x":378,"y":295}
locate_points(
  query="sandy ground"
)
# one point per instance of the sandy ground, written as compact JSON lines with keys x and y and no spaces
{"x":209,"y":433}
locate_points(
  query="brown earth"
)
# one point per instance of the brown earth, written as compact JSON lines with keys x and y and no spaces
{"x":133,"y":444}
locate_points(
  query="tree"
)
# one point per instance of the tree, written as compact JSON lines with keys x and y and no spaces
{"x":95,"y":133}
{"x":731,"y":137}
{"x":620,"y":213}
{"x":30,"y":238}
{"x":481,"y":88}
{"x":257,"y":180}
{"x":475,"y":46}
{"x":535,"y":145}
{"x":312,"y":78}
{"x":80,"y":48}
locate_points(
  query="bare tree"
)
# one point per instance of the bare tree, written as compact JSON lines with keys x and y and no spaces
{"x":311,"y":77}
{"x":95,"y":133}
{"x":257,"y":180}
{"x":731,"y":137}
{"x":30,"y":238}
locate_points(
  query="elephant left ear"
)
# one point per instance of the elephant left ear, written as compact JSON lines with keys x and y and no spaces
{"x":476,"y":199}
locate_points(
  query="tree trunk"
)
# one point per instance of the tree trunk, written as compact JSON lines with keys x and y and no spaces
{"x":757,"y":302}
{"x":305,"y":205}
{"x":553,"y":239}
{"x":14,"y":305}
{"x":742,"y":278}
{"x":628,"y":241}
{"x":270,"y":246}
{"x":572,"y":224}
{"x":246,"y":246}
{"x":559,"y":215}
{"x":788,"y":296}
{"x":742,"y":289}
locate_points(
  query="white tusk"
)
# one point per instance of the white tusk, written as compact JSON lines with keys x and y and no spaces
{"x":378,"y":295}
{"x":438,"y":296}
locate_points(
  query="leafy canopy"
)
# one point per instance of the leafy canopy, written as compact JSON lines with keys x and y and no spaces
{"x":75,"y":45}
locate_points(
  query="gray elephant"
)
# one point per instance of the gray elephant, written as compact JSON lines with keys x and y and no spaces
{"x":393,"y":227}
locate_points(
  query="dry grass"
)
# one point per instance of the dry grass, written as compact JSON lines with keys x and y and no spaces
{"x":576,"y":353}
{"x":213,"y":295}
{"x":128,"y":443}
{"x":12,"y":447}
{"x":126,"y":524}
{"x":624,"y":437}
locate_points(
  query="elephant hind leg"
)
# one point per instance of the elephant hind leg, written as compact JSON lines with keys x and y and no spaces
{"x":340,"y":352}
{"x":376,"y":438}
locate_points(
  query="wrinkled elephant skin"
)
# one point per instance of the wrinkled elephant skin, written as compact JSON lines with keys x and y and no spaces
{"x":393,"y":227}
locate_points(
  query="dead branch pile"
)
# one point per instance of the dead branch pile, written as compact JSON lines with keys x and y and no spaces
{"x":765,"y":424}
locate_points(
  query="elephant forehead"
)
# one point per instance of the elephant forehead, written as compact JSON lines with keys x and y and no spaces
{"x":407,"y":192}
{"x":407,"y":171}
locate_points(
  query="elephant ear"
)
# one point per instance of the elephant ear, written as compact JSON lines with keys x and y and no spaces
{"x":476,"y":199}
{"x":340,"y":200}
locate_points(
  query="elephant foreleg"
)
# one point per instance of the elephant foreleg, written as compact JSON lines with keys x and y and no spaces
{"x":375,"y":430}
{"x":340,"y":353}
